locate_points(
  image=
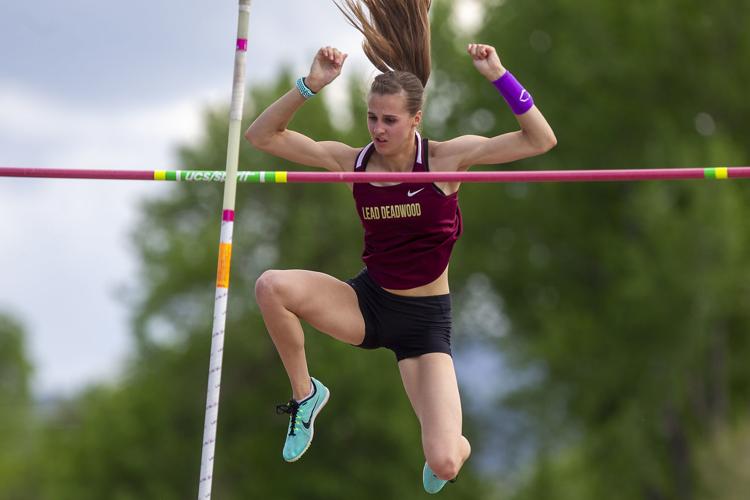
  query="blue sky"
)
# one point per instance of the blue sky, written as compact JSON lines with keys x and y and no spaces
{"x":87,"y":84}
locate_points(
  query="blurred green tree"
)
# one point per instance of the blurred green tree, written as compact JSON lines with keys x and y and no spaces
{"x":626,"y":302}
{"x":16,"y":426}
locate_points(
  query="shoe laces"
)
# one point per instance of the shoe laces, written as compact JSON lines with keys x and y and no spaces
{"x":292,"y":408}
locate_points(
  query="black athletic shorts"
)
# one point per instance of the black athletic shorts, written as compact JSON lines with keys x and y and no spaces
{"x":408,"y":326}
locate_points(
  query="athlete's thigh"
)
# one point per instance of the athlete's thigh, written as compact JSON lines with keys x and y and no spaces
{"x":328,"y":304}
{"x":430,"y":383}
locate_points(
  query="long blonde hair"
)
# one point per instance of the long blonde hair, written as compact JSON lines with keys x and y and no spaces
{"x":397,"y":42}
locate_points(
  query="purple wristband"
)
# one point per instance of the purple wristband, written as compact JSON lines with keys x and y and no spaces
{"x":519,"y":100}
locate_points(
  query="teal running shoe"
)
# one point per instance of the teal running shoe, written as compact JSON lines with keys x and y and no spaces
{"x":432,"y":483}
{"x":301,"y":419}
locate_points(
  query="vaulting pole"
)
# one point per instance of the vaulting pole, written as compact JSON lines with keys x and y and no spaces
{"x":225,"y":256}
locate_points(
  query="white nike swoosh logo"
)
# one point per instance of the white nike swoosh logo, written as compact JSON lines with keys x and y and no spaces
{"x":410,"y":194}
{"x":525,"y":96}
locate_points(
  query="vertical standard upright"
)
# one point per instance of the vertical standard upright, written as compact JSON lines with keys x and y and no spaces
{"x":225,"y":256}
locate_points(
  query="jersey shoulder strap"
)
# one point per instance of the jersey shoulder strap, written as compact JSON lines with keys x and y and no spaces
{"x":360,"y":164}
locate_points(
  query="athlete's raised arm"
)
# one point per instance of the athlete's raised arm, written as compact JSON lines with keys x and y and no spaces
{"x":534,"y":138}
{"x":269,"y":131}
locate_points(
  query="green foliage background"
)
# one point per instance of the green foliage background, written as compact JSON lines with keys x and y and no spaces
{"x":626,"y":305}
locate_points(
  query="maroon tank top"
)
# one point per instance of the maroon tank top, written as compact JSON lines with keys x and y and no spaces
{"x":410,"y":229}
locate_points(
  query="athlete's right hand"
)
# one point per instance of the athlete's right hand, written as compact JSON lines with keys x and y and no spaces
{"x":326,"y":67}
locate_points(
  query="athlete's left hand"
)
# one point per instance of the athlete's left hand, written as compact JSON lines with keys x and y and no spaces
{"x":486,"y":60}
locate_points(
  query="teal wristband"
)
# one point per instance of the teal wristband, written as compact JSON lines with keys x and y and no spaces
{"x":304,"y":89}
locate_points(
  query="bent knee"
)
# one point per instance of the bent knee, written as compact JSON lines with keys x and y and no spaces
{"x":444,"y":466}
{"x":270,"y":287}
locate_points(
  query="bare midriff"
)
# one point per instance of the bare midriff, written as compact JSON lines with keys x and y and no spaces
{"x":437,"y":287}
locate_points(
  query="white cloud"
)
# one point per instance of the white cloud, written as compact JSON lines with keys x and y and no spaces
{"x":58,"y":134}
{"x":64,"y":242}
